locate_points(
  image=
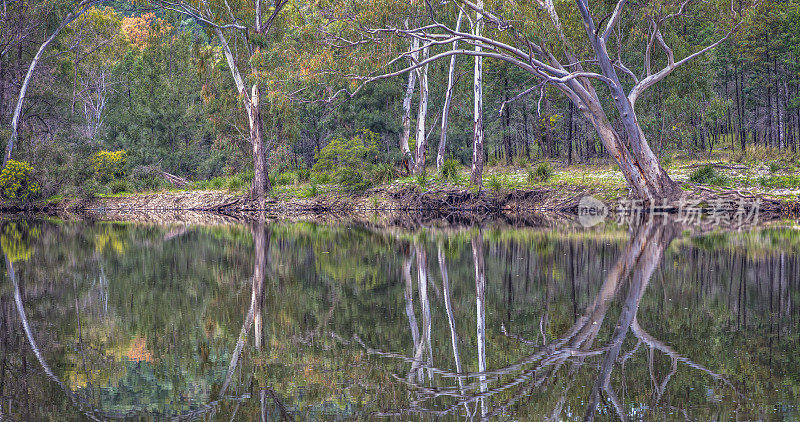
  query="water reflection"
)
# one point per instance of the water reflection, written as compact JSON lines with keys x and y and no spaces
{"x":283,"y":321}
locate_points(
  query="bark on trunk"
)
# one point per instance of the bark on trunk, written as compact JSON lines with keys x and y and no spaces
{"x":252,"y":105}
{"x":261,"y":184}
{"x":476,"y":174}
{"x":422,"y":114}
{"x":448,"y":96}
{"x":406,"y":133}
{"x":24,"y":89}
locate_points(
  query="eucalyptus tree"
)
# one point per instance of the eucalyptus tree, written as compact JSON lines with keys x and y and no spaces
{"x":243,"y":30}
{"x":73,"y":12}
{"x":581,"y":51}
{"x":448,"y":98}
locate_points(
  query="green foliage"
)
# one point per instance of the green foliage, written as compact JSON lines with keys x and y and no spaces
{"x":421,"y":179}
{"x":451,"y":170}
{"x":708,"y":175}
{"x":236,"y":183}
{"x":303,"y":174}
{"x":521,"y":161}
{"x":541,"y":173}
{"x":495,"y":183}
{"x":286,"y":178}
{"x":109,"y":165}
{"x":119,"y":186}
{"x":17,"y":182}
{"x":383,"y":173}
{"x":348,"y":161}
{"x":774,"y":167}
{"x":353,"y":179}
{"x":311,"y":191}
{"x":780,"y":182}
{"x":703,"y":174}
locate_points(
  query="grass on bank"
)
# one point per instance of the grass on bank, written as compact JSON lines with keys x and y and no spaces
{"x":758,"y":169}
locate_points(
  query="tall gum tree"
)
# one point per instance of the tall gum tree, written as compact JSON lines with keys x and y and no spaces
{"x":243,"y":30}
{"x":73,"y":12}
{"x":582,"y":51}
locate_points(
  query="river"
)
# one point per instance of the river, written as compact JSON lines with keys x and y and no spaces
{"x":282,"y":320}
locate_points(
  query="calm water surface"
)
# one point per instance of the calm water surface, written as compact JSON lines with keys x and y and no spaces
{"x":296,"y":320}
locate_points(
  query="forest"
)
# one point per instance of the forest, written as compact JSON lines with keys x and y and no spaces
{"x":304,"y":97}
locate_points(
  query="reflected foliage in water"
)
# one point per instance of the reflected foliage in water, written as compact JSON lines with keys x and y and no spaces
{"x":297,"y":320}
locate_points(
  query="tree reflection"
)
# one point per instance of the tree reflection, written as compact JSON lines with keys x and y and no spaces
{"x":279,"y":320}
{"x":631,"y":273}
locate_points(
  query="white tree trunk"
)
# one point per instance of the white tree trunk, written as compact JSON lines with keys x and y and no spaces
{"x":480,"y":298}
{"x":448,"y":96}
{"x":252,"y":106}
{"x":24,"y":89}
{"x":451,"y":321}
{"x":422,"y":114}
{"x":476,"y":175}
{"x":406,"y":133}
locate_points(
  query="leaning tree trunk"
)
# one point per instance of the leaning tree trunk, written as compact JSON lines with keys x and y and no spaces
{"x":422,"y":140}
{"x":24,"y":89}
{"x":252,"y":105}
{"x":476,"y":175}
{"x":448,"y":97}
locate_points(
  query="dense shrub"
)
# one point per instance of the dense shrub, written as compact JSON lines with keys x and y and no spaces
{"x":303,"y":174}
{"x":450,"y":170}
{"x":383,"y":173}
{"x":708,"y":175}
{"x":495,"y":183}
{"x":348,"y":162}
{"x":119,"y":186}
{"x":285,"y":178}
{"x":17,"y":182}
{"x":109,"y":165}
{"x":542,"y":173}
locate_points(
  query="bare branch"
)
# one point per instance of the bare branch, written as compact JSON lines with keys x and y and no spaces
{"x":614,"y":19}
{"x":651,"y":80}
{"x":518,"y":96}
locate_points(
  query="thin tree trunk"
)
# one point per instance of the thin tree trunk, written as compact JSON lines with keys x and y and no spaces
{"x":525,"y":134}
{"x":480,"y":299}
{"x":422,"y":141}
{"x":740,"y":109}
{"x":476,"y":175}
{"x":448,"y":97}
{"x":24,"y":89}
{"x":406,"y":133}
{"x":450,"y":318}
{"x":569,"y":133}
{"x":261,"y":184}
{"x":506,"y":123}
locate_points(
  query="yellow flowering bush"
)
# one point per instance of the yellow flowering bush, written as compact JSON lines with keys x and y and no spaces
{"x":109,"y":165}
{"x":17,"y":183}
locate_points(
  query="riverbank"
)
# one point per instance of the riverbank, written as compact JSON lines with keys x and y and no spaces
{"x":508,"y":192}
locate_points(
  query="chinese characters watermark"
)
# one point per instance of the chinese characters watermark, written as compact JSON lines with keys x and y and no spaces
{"x":692,"y":212}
